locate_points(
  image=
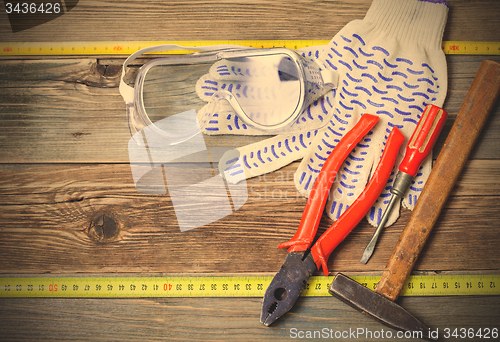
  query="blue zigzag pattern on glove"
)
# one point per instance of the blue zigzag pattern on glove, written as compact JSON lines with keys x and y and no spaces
{"x":211,"y":87}
{"x":282,"y":148}
{"x":371,"y":72}
{"x":235,"y":169}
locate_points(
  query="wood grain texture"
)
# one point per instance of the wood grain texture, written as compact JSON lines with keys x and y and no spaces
{"x":48,"y":214}
{"x":225,"y":319}
{"x":93,"y":20}
{"x":70,"y":111}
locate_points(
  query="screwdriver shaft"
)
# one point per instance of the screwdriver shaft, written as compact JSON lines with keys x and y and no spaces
{"x":371,"y":245}
{"x":399,"y":188}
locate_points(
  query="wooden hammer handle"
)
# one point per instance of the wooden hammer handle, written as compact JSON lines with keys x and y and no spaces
{"x":456,"y":150}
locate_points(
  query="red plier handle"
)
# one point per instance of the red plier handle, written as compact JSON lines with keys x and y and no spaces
{"x":313,"y":211}
{"x":303,"y":261}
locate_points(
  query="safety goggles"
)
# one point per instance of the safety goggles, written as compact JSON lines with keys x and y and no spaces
{"x":269,"y":89}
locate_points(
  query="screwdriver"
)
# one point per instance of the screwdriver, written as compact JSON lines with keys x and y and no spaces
{"x":418,"y":148}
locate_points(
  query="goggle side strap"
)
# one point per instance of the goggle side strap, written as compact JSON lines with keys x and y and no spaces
{"x":330,"y":77}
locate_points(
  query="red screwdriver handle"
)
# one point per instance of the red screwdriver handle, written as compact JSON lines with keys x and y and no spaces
{"x":423,"y":139}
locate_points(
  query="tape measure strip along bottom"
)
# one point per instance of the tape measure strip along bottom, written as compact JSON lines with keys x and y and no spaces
{"x":253,"y":286}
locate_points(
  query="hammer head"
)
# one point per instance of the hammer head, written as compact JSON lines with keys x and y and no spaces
{"x":376,"y":306}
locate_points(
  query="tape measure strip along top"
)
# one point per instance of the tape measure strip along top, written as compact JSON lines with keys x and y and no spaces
{"x":129,"y":47}
{"x":252,"y":286}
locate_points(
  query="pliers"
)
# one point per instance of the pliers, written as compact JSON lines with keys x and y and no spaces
{"x":303,"y":260}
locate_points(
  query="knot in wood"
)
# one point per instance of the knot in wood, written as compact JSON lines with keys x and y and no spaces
{"x":107,"y":71}
{"x":103,"y":228}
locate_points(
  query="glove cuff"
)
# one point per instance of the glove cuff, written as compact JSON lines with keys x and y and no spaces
{"x":415,"y":22}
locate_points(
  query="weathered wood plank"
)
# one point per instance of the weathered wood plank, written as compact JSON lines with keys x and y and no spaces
{"x":62,"y":218}
{"x":227,"y":319}
{"x":70,"y":111}
{"x":209,"y":20}
{"x":51,"y":221}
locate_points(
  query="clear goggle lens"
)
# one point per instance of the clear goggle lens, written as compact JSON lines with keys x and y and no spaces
{"x":268,"y":89}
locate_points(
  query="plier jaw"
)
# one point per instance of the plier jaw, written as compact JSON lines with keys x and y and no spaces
{"x":286,"y":286}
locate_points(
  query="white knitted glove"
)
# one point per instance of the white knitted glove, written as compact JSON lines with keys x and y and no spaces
{"x":390,"y":64}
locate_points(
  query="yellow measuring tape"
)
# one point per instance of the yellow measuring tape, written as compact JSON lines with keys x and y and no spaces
{"x":239,"y":286}
{"x":129,"y":47}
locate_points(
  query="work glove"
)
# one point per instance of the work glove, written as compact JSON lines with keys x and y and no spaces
{"x":390,"y":64}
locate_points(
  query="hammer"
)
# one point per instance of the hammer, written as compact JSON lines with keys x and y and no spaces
{"x":468,"y":124}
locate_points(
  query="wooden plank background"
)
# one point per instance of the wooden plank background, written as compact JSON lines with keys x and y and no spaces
{"x":64,"y":164}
